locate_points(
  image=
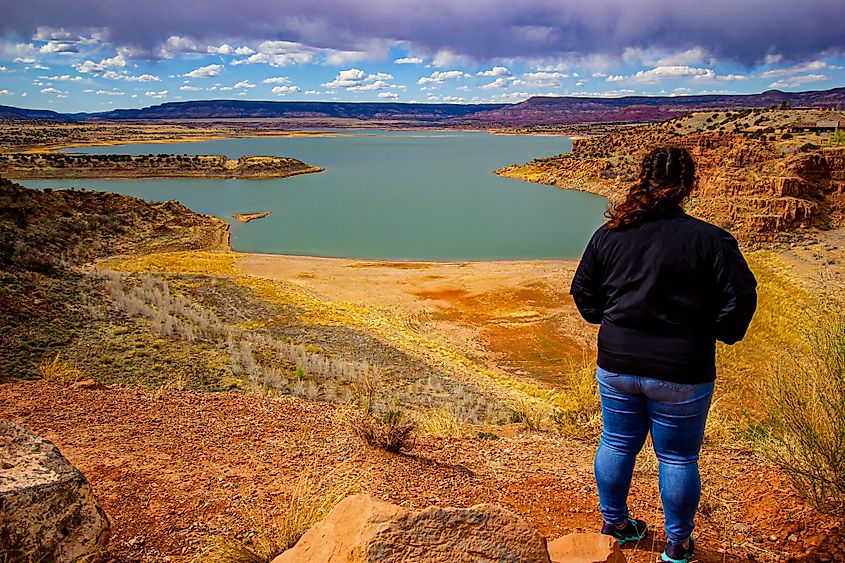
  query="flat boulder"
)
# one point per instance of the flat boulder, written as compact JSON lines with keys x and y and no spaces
{"x":363,"y":529}
{"x":47,"y":509}
{"x":586,"y":548}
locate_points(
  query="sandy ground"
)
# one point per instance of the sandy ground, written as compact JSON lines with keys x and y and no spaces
{"x":513,"y":315}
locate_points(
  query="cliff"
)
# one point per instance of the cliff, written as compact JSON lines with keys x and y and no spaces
{"x":762,"y":191}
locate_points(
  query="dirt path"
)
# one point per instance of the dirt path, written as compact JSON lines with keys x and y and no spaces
{"x":175,"y":469}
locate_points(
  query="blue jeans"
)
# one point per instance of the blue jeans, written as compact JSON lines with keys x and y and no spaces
{"x":675,"y":413}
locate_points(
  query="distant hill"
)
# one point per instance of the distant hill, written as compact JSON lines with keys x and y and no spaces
{"x":540,"y":110}
{"x":245,"y":109}
{"x":9,"y":112}
{"x":554,"y":110}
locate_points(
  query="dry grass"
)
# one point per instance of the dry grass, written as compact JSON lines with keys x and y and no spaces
{"x":803,"y":430}
{"x":579,"y":413}
{"x":58,"y":369}
{"x":313,"y":497}
{"x":440,"y":422}
{"x":532,"y":414}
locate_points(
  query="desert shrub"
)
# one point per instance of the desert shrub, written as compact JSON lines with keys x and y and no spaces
{"x":531,"y":414}
{"x":313,"y":497}
{"x":579,"y":415}
{"x":378,"y":423}
{"x":803,"y":429}
{"x":57,"y":369}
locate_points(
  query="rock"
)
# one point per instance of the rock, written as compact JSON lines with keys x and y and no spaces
{"x":47,"y":509}
{"x":363,"y":529}
{"x":89,"y":384}
{"x":586,"y":548}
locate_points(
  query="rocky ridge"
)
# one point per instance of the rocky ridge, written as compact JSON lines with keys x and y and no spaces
{"x":762,"y":191}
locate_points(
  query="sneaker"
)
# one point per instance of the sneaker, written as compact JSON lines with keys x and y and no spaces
{"x":633,"y":530}
{"x":677,"y":553}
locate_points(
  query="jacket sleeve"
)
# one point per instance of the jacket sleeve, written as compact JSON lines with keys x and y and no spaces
{"x":737,"y":292}
{"x":586,"y":285}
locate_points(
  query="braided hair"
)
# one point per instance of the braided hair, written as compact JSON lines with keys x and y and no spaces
{"x":666,"y":178}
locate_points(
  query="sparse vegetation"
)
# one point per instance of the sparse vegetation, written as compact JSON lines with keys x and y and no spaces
{"x":393,"y":429}
{"x":803,"y":429}
{"x":580,"y":414}
{"x":57,"y":369}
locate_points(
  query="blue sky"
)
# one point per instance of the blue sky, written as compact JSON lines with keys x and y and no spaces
{"x":83,"y":55}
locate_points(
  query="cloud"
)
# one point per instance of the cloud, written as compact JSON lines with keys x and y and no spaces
{"x":498,"y":83}
{"x":282,"y":90}
{"x":109,"y":93}
{"x":157,"y":95}
{"x":277,"y":80}
{"x":670,"y":72}
{"x":226,"y":49}
{"x":408,"y":61}
{"x":243,"y":85}
{"x":62,"y":78}
{"x":90,"y":67}
{"x":798,"y":81}
{"x":388,"y":95}
{"x":24,"y":60}
{"x":5,"y":92}
{"x":113,"y":75}
{"x":495,"y":71}
{"x":439,"y":77}
{"x":51,"y":91}
{"x":746,"y":32}
{"x":207,"y":71}
{"x":189,"y":88}
{"x":279,"y":53}
{"x":810,"y":66}
{"x":356,"y":80}
{"x":176,"y":44}
{"x":347,"y":78}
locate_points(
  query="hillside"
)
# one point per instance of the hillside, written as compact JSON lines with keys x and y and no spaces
{"x":538,"y":110}
{"x":547,"y":110}
{"x":761,"y":186}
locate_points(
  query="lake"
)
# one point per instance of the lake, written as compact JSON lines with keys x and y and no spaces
{"x":389,"y":195}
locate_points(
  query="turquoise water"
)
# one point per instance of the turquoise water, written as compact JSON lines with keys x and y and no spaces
{"x":385,"y":194}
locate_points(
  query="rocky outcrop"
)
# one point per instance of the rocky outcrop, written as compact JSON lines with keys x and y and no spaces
{"x":47,"y":509}
{"x":363,"y":529}
{"x":759,"y":190}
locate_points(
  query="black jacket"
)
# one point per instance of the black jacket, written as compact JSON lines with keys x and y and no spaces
{"x":664,"y":291}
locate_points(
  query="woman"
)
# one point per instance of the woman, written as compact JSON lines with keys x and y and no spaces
{"x":664,"y":287}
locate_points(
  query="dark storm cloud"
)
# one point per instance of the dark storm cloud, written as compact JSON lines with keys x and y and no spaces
{"x":731,"y":30}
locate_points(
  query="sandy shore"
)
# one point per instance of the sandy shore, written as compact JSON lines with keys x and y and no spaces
{"x":516,"y":315}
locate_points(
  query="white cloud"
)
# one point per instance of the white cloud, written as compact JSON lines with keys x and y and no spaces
{"x":176,"y":44}
{"x":62,"y":78}
{"x":438,"y":77}
{"x":243,"y":85}
{"x":279,"y":53}
{"x":408,"y":61}
{"x":90,"y":67}
{"x":226,"y":49}
{"x":3,"y":69}
{"x":495,"y":71}
{"x":189,"y":88}
{"x":112,"y":75}
{"x":615,"y":78}
{"x":445,"y":57}
{"x":157,"y":95}
{"x":797,"y":81}
{"x":659,"y":73}
{"x":207,"y":71}
{"x":315,"y":92}
{"x":347,"y":78}
{"x":453,"y":99}
{"x":51,"y":91}
{"x":498,"y":83}
{"x":599,"y":75}
{"x":388,"y":95}
{"x":109,"y":93}
{"x":811,"y":66}
{"x":541,"y":78}
{"x":277,"y":80}
{"x":24,"y":60}
{"x":282,"y":90}
{"x":5,"y":92}
{"x":694,"y":56}
{"x":380,"y":76}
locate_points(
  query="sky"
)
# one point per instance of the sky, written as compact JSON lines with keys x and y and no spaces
{"x":87,"y":55}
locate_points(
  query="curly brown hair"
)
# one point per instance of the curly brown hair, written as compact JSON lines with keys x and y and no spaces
{"x":667,"y":177}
